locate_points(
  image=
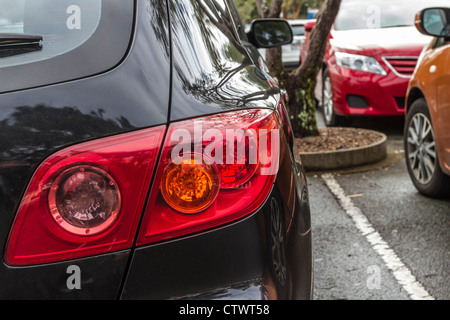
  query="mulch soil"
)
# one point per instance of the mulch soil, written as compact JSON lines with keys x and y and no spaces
{"x":337,"y":138}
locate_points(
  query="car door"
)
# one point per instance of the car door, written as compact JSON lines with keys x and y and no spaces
{"x":434,"y":80}
{"x":443,"y":102}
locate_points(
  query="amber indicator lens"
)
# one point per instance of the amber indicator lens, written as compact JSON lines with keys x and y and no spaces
{"x":191,"y":186}
{"x":84,"y":200}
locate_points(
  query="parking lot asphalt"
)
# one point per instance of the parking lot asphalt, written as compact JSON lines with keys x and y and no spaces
{"x":374,"y":236}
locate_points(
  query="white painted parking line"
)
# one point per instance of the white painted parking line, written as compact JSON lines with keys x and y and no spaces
{"x":400,"y":271}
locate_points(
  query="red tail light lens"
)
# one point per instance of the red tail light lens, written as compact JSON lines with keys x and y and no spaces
{"x":285,"y":120}
{"x":238,"y":166}
{"x":85,"y":200}
{"x":235,"y":175}
{"x":228,"y":162}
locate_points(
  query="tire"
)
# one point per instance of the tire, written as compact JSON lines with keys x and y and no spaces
{"x":421,"y":155}
{"x":276,"y":246}
{"x":330,"y":117}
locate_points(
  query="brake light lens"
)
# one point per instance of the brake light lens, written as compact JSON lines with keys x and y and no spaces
{"x":213,"y":170}
{"x":85,"y":200}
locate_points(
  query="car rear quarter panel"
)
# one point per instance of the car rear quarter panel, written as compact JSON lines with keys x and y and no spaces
{"x":213,"y":71}
{"x":209,"y":263}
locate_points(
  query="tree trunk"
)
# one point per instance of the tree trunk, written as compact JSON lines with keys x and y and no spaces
{"x":301,"y":82}
{"x":273,"y":55}
{"x":292,"y":7}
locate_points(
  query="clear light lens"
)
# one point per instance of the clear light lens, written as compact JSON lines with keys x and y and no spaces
{"x":359,"y":62}
{"x":84,"y":200}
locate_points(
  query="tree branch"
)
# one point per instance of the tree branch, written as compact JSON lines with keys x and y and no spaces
{"x":274,"y":11}
{"x":259,"y":7}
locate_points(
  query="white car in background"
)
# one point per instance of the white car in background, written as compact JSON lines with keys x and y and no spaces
{"x":291,"y":52}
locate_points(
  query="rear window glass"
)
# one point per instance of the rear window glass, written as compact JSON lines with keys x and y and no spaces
{"x":63,"y":24}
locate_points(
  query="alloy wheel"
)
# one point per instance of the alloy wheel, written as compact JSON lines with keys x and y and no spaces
{"x":421,"y":148}
{"x":327,"y":101}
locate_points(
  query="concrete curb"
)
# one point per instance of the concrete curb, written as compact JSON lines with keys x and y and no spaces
{"x":342,"y":159}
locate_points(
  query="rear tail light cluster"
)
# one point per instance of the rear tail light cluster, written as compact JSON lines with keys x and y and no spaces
{"x":213,"y":171}
{"x":88,"y":199}
{"x":85,"y":200}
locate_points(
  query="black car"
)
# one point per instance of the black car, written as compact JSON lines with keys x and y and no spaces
{"x":146,"y":153}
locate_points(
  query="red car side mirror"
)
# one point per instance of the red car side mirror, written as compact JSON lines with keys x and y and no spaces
{"x":310,"y":25}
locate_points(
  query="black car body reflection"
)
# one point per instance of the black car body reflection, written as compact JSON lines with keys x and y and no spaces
{"x":149,"y":65}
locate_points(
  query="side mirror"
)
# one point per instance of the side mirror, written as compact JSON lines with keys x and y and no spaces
{"x":310,"y":25}
{"x":434,"y":22}
{"x":269,"y":33}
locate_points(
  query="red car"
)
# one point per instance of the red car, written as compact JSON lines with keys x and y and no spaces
{"x":371,"y":55}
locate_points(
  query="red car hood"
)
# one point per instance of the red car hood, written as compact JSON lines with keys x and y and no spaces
{"x":400,"y":40}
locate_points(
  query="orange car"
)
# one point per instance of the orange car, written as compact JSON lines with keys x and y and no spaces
{"x":427,"y":126}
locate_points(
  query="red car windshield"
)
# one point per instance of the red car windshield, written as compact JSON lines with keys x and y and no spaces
{"x":374,"y":14}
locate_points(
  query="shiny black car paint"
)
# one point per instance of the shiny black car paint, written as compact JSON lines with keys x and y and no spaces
{"x":157,"y":78}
